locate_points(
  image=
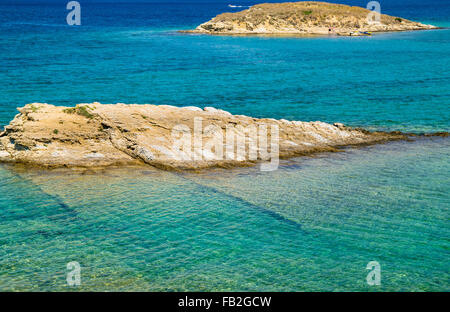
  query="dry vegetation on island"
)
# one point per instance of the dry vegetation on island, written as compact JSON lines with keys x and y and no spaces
{"x":307,"y":17}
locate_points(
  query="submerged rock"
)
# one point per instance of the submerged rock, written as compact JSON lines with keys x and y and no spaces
{"x":168,"y":137}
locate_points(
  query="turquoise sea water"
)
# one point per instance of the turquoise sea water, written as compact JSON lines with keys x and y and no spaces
{"x":312,"y":225}
{"x":131,"y":53}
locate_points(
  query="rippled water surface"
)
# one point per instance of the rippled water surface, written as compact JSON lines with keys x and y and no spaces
{"x":131,"y":53}
{"x":312,"y":225}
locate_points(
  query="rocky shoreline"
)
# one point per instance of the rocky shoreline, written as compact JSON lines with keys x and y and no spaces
{"x":174,"y":138}
{"x":305,"y":18}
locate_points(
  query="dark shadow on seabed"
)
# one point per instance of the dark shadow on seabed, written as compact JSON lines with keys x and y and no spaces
{"x":222,"y":230}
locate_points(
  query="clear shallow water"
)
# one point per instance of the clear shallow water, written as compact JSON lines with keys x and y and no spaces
{"x":312,"y":225}
{"x":131,"y":53}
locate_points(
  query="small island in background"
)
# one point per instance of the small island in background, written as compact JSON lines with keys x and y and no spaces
{"x":304,"y":18}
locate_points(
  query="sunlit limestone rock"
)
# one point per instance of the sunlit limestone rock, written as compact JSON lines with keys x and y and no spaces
{"x":167,"y":137}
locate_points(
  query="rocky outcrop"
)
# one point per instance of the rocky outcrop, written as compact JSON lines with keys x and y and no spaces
{"x":97,"y":135}
{"x":308,"y":17}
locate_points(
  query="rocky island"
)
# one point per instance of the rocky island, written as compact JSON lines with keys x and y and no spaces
{"x":166,"y":137}
{"x":307,"y":18}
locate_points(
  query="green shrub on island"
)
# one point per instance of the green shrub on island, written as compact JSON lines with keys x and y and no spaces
{"x":80,"y":110}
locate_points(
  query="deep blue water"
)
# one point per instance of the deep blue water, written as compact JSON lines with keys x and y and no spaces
{"x":314,"y":224}
{"x":131,"y":53}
